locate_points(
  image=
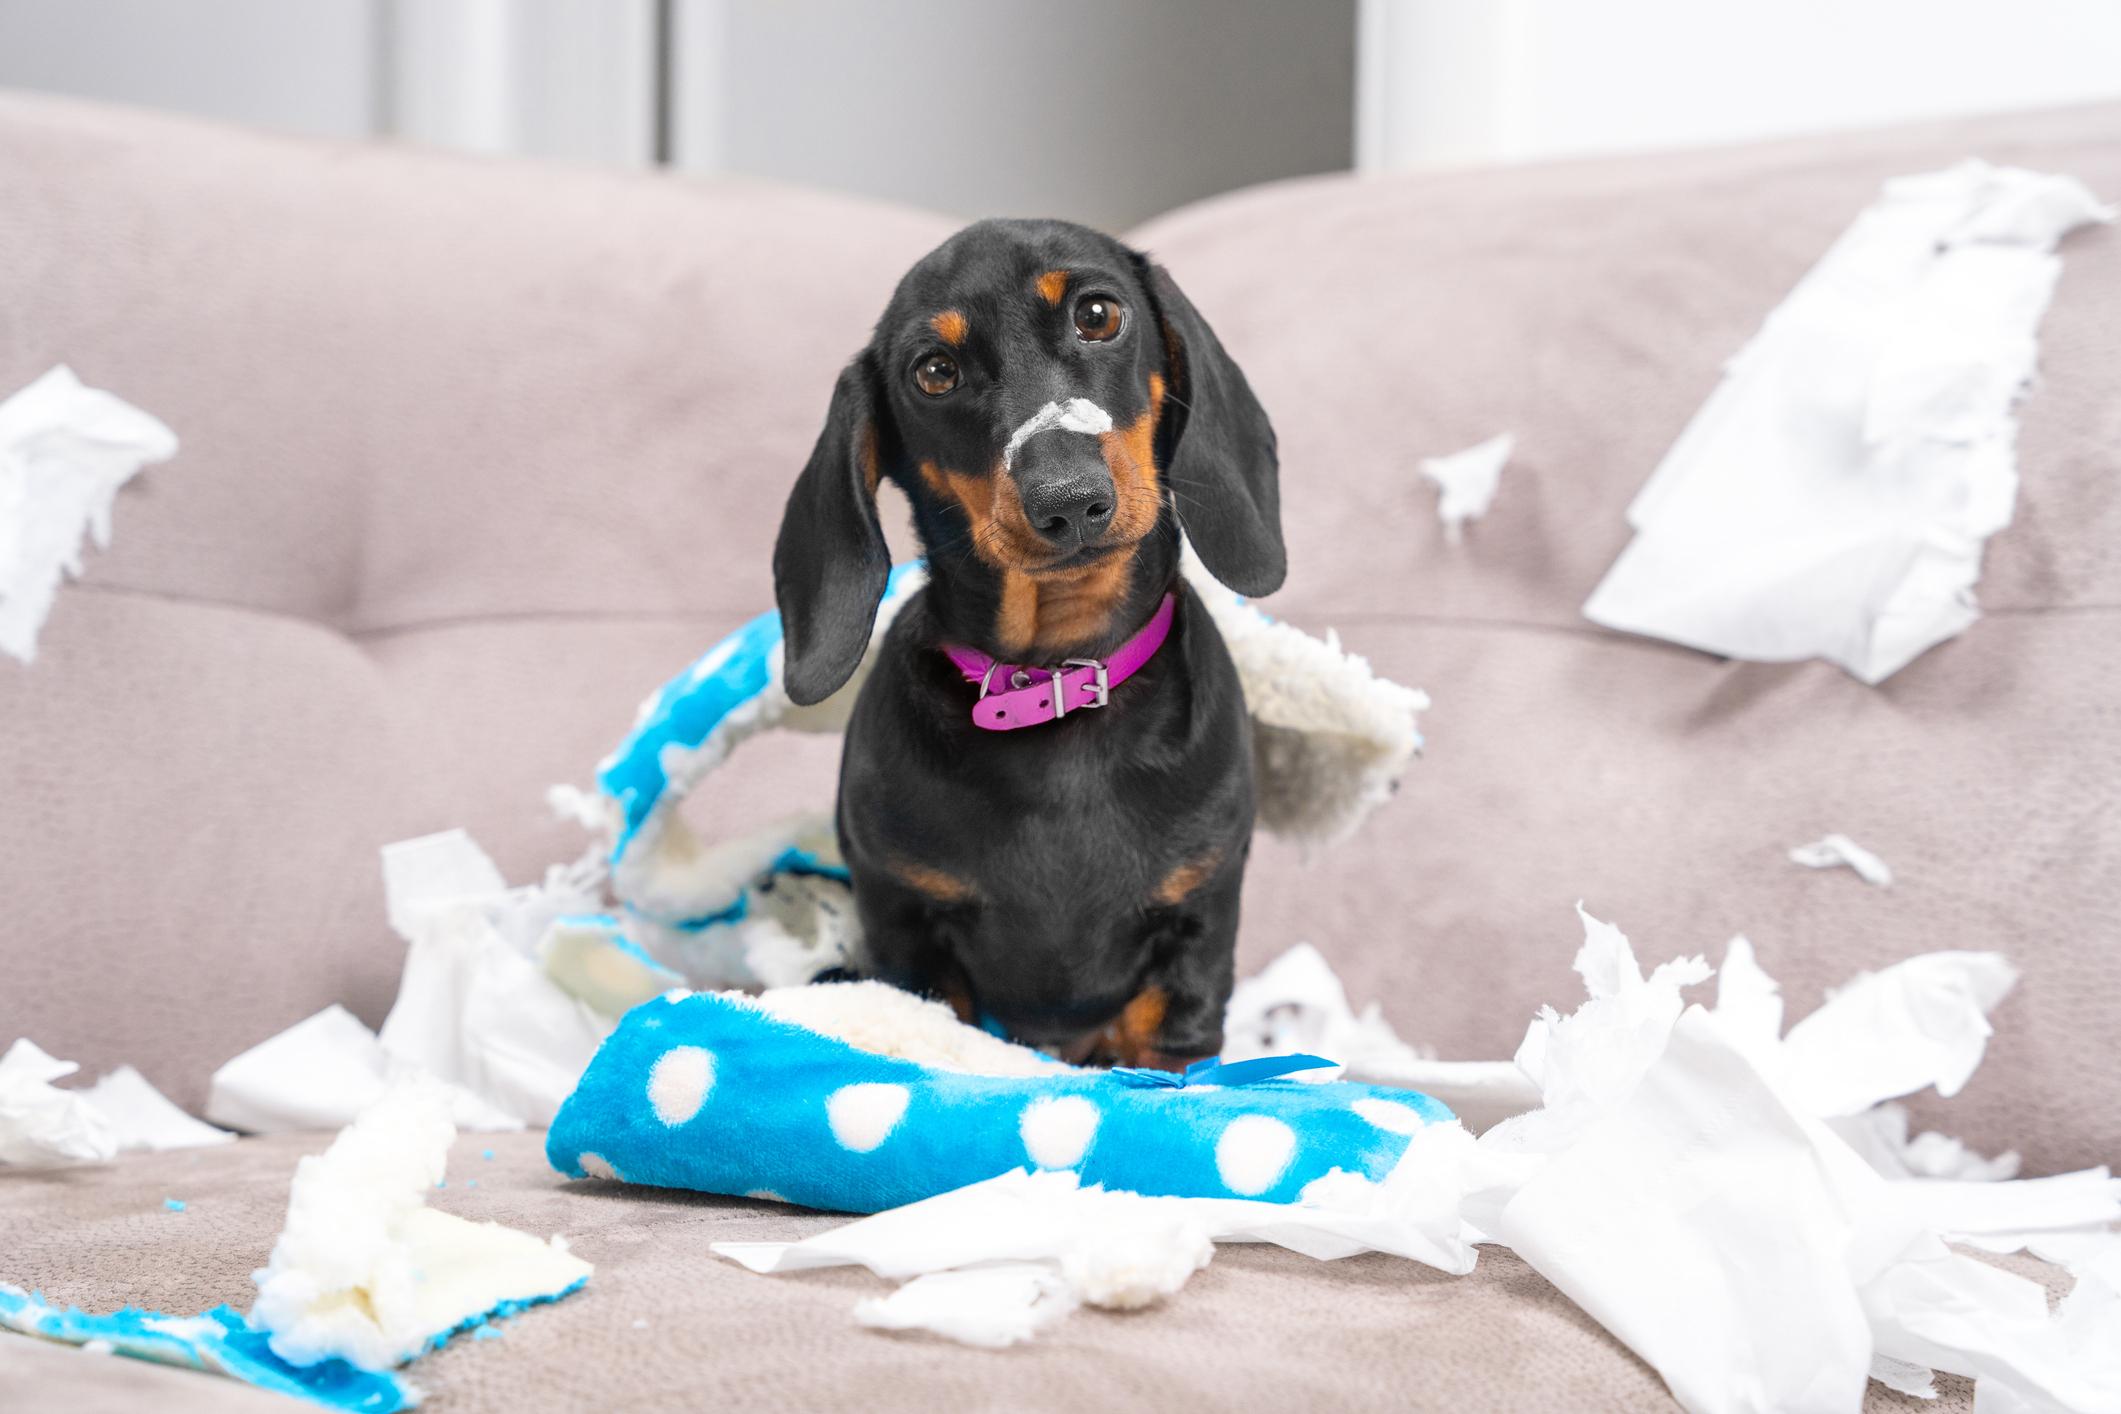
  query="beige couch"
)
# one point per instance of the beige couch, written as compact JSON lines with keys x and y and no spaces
{"x":475,"y":454}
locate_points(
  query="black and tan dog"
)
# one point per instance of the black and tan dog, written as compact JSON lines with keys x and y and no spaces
{"x":1055,"y":409}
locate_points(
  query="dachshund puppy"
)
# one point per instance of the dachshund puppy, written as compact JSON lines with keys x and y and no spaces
{"x":1055,"y":410}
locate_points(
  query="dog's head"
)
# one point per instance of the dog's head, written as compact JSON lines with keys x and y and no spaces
{"x":1049,"y":400}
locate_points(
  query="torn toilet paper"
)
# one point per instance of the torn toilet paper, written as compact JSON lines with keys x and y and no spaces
{"x":143,"y":1117}
{"x":475,"y":1009}
{"x":65,"y":449}
{"x":1832,"y":851}
{"x":996,"y":1305}
{"x":1465,"y":482}
{"x":1832,"y":497}
{"x":41,"y":1124}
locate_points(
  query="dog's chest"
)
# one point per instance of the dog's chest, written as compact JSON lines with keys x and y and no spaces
{"x":1070,"y":819}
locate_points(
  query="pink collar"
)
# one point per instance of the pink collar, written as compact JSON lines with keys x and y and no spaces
{"x":1029,"y":696}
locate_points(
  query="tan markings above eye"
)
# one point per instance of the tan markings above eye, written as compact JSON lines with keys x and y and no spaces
{"x":936,"y":374}
{"x":950,"y":326}
{"x":1099,"y":318}
{"x":1052,"y":285}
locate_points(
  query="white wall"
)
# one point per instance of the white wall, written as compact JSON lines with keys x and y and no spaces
{"x":1462,"y":81}
{"x":1105,"y":111}
{"x":305,"y":66}
{"x":568,"y":79}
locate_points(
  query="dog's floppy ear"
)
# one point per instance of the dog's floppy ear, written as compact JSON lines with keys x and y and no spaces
{"x":830,"y":561}
{"x":1217,"y":449}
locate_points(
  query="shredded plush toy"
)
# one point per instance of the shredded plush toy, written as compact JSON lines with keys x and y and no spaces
{"x":857,"y":1097}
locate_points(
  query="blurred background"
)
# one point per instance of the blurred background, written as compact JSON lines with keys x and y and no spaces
{"x":1105,"y":111}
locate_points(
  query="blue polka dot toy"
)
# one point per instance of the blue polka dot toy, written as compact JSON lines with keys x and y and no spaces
{"x":714,"y":1092}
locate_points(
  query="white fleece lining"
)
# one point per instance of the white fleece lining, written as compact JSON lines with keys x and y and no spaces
{"x":884,"y":1021}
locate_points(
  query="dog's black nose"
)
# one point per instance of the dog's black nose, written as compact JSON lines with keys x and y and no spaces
{"x":1069,"y":510}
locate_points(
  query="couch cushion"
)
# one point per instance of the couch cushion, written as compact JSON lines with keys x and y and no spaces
{"x":1589,"y":307}
{"x":1260,"y":1329}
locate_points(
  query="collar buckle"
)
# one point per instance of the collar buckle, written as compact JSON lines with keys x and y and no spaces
{"x":1100,"y":685}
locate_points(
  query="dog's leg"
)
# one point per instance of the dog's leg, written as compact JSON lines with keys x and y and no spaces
{"x":902,"y":944}
{"x":1177,"y":1018}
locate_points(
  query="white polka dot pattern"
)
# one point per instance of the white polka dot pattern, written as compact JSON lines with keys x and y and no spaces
{"x":678,"y":1083}
{"x":1252,"y":1153}
{"x":1057,"y":1130}
{"x":863,"y":1116}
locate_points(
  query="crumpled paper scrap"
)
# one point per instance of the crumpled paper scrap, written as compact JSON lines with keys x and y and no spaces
{"x":65,"y":449}
{"x":1832,"y":497}
{"x":321,"y":1073}
{"x":1465,"y":482}
{"x":476,"y":1008}
{"x":144,"y":1118}
{"x":41,"y":1124}
{"x":1833,"y":851}
{"x":997,"y":1305}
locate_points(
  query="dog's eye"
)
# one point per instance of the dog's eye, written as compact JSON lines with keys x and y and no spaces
{"x":1099,"y":318}
{"x":936,"y":374}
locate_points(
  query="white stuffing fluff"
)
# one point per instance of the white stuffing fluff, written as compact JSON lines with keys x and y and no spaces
{"x":1329,"y":737}
{"x":880,"y":1019}
{"x":365,"y":1271}
{"x":1140,"y":1252}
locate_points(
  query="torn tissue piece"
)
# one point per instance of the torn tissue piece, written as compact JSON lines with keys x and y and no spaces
{"x":992,"y":1306}
{"x":321,"y":1073}
{"x":1297,"y":1004}
{"x":1694,"y":1220}
{"x":2005,"y":1215}
{"x":1830,"y":851}
{"x":1919,"y":1023}
{"x":1904,"y":1377}
{"x":65,"y":449}
{"x":1466,"y":481}
{"x":1832,"y":496}
{"x":474,"y":1008}
{"x":1955,"y":1313}
{"x":142,"y":1117}
{"x":40,"y":1123}
{"x":1591,"y":1060}
{"x":365,"y":1272}
{"x":1880,"y":1135}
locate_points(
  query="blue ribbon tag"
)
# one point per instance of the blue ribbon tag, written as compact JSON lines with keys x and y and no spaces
{"x":1214,"y":1072}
